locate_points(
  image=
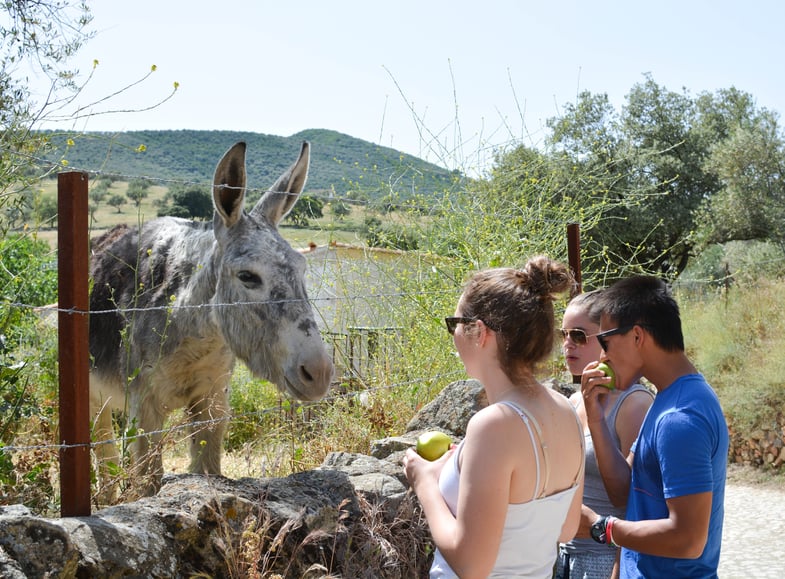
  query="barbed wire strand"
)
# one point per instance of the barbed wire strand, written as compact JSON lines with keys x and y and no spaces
{"x":169,"y":307}
{"x":201,"y":424}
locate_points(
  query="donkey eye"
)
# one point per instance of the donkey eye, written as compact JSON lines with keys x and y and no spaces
{"x":249,"y":278}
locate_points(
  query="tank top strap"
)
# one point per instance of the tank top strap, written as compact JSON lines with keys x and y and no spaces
{"x":530,"y":422}
{"x":636,"y":387}
{"x":581,"y":437}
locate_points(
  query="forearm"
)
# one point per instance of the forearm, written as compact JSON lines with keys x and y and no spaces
{"x":441,"y":521}
{"x":613,"y":465}
{"x":660,"y":537}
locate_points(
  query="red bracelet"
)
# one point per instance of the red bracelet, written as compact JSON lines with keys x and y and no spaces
{"x":609,"y":531}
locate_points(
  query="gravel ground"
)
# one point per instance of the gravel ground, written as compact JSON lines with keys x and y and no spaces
{"x":753,"y":538}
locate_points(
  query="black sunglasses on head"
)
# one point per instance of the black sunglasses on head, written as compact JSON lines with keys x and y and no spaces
{"x":452,"y":323}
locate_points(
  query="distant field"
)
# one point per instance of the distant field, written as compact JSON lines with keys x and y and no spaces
{"x":322,"y":232}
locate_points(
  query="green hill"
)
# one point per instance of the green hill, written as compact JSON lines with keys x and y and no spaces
{"x":340,"y":163}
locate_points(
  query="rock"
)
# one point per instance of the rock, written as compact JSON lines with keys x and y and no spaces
{"x":351,"y":517}
{"x":451,"y":410}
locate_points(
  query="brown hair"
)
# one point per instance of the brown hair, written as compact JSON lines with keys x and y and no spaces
{"x":518,"y":305}
{"x":588,"y":302}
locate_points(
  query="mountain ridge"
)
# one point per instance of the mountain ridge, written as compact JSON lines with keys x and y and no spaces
{"x":340,"y":164}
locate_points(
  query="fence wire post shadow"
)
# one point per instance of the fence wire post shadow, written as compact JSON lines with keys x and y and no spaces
{"x":73,"y":349}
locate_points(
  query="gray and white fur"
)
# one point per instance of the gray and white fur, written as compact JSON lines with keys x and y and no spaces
{"x":175,"y":303}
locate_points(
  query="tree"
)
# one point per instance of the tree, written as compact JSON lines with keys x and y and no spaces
{"x":117,"y":201}
{"x":340,"y":209}
{"x":191,"y":202}
{"x":750,"y":165}
{"x":304,"y":210}
{"x":97,"y":194}
{"x":658,"y":166}
{"x":45,"y":35}
{"x":138,"y":189}
{"x":42,"y":35}
{"x":47,"y":211}
{"x":667,"y":158}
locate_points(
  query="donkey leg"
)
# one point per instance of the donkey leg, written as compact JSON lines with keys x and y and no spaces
{"x":209,"y":417}
{"x":145,"y":449}
{"x":106,"y":454}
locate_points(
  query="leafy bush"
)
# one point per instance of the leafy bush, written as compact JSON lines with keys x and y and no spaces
{"x":28,"y":421}
{"x":735,"y":262}
{"x":28,"y":279}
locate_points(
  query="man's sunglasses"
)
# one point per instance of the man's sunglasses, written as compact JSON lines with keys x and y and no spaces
{"x":452,"y":323}
{"x":602,"y":337}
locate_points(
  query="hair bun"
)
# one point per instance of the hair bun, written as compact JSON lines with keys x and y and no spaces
{"x":547,"y":277}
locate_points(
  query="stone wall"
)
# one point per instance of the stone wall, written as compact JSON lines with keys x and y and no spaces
{"x":352,"y":517}
{"x":764,"y":447}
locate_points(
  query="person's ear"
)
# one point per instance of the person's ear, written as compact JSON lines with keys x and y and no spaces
{"x":483,"y":334}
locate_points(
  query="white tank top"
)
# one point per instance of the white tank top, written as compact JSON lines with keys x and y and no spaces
{"x":531,"y":529}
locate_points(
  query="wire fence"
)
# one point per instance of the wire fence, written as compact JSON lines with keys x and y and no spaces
{"x":361,"y":351}
{"x":238,"y":417}
{"x":363,"y":348}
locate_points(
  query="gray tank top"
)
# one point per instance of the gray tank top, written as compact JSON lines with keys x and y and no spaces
{"x":594,"y":495}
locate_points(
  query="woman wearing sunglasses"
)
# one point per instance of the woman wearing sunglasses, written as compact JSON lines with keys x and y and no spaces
{"x":624,"y":410}
{"x":499,"y":502}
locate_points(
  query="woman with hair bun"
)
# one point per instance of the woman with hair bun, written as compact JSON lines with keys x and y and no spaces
{"x":499,"y":502}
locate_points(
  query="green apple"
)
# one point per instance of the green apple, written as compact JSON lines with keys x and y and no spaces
{"x":432,"y":444}
{"x":609,"y":373}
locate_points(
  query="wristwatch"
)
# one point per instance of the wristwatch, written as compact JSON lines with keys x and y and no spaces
{"x":599,"y":530}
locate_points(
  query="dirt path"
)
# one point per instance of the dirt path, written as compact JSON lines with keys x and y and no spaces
{"x":753,"y":538}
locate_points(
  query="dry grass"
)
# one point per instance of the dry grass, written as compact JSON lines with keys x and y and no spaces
{"x":756,"y":477}
{"x":368,"y":546}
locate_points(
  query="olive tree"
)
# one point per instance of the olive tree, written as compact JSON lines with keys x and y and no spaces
{"x":42,"y":36}
{"x":675,"y":171}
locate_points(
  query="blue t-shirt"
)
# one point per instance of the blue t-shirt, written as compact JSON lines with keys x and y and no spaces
{"x":682,"y":449}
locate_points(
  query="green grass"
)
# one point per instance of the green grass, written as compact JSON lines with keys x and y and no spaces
{"x":735,"y":339}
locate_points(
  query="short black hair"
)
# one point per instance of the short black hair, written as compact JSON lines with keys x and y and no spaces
{"x":647,"y":301}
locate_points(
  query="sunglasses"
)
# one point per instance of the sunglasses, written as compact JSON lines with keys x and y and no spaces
{"x":452,"y":323}
{"x":578,"y":337}
{"x":602,"y":337}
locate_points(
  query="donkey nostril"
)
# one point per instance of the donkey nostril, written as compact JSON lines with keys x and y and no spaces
{"x":306,"y":375}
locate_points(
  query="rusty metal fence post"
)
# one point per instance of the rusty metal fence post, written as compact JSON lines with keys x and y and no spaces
{"x":574,"y":253}
{"x":73,"y":352}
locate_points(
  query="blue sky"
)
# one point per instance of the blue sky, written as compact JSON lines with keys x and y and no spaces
{"x":446,"y":81}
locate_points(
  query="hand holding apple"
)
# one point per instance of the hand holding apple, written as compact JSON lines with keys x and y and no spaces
{"x":608,"y":371}
{"x":433,"y":444}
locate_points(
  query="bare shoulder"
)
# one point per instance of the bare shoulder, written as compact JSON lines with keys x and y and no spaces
{"x":485,"y":418}
{"x":562,"y":401}
{"x":636,"y":401}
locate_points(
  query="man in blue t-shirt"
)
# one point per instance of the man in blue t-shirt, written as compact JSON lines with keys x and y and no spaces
{"x":675,"y":473}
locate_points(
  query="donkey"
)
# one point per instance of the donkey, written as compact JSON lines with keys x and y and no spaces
{"x":174,"y":303}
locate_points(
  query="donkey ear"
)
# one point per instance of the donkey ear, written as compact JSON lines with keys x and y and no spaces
{"x":279,"y":200}
{"x":229,"y":185}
